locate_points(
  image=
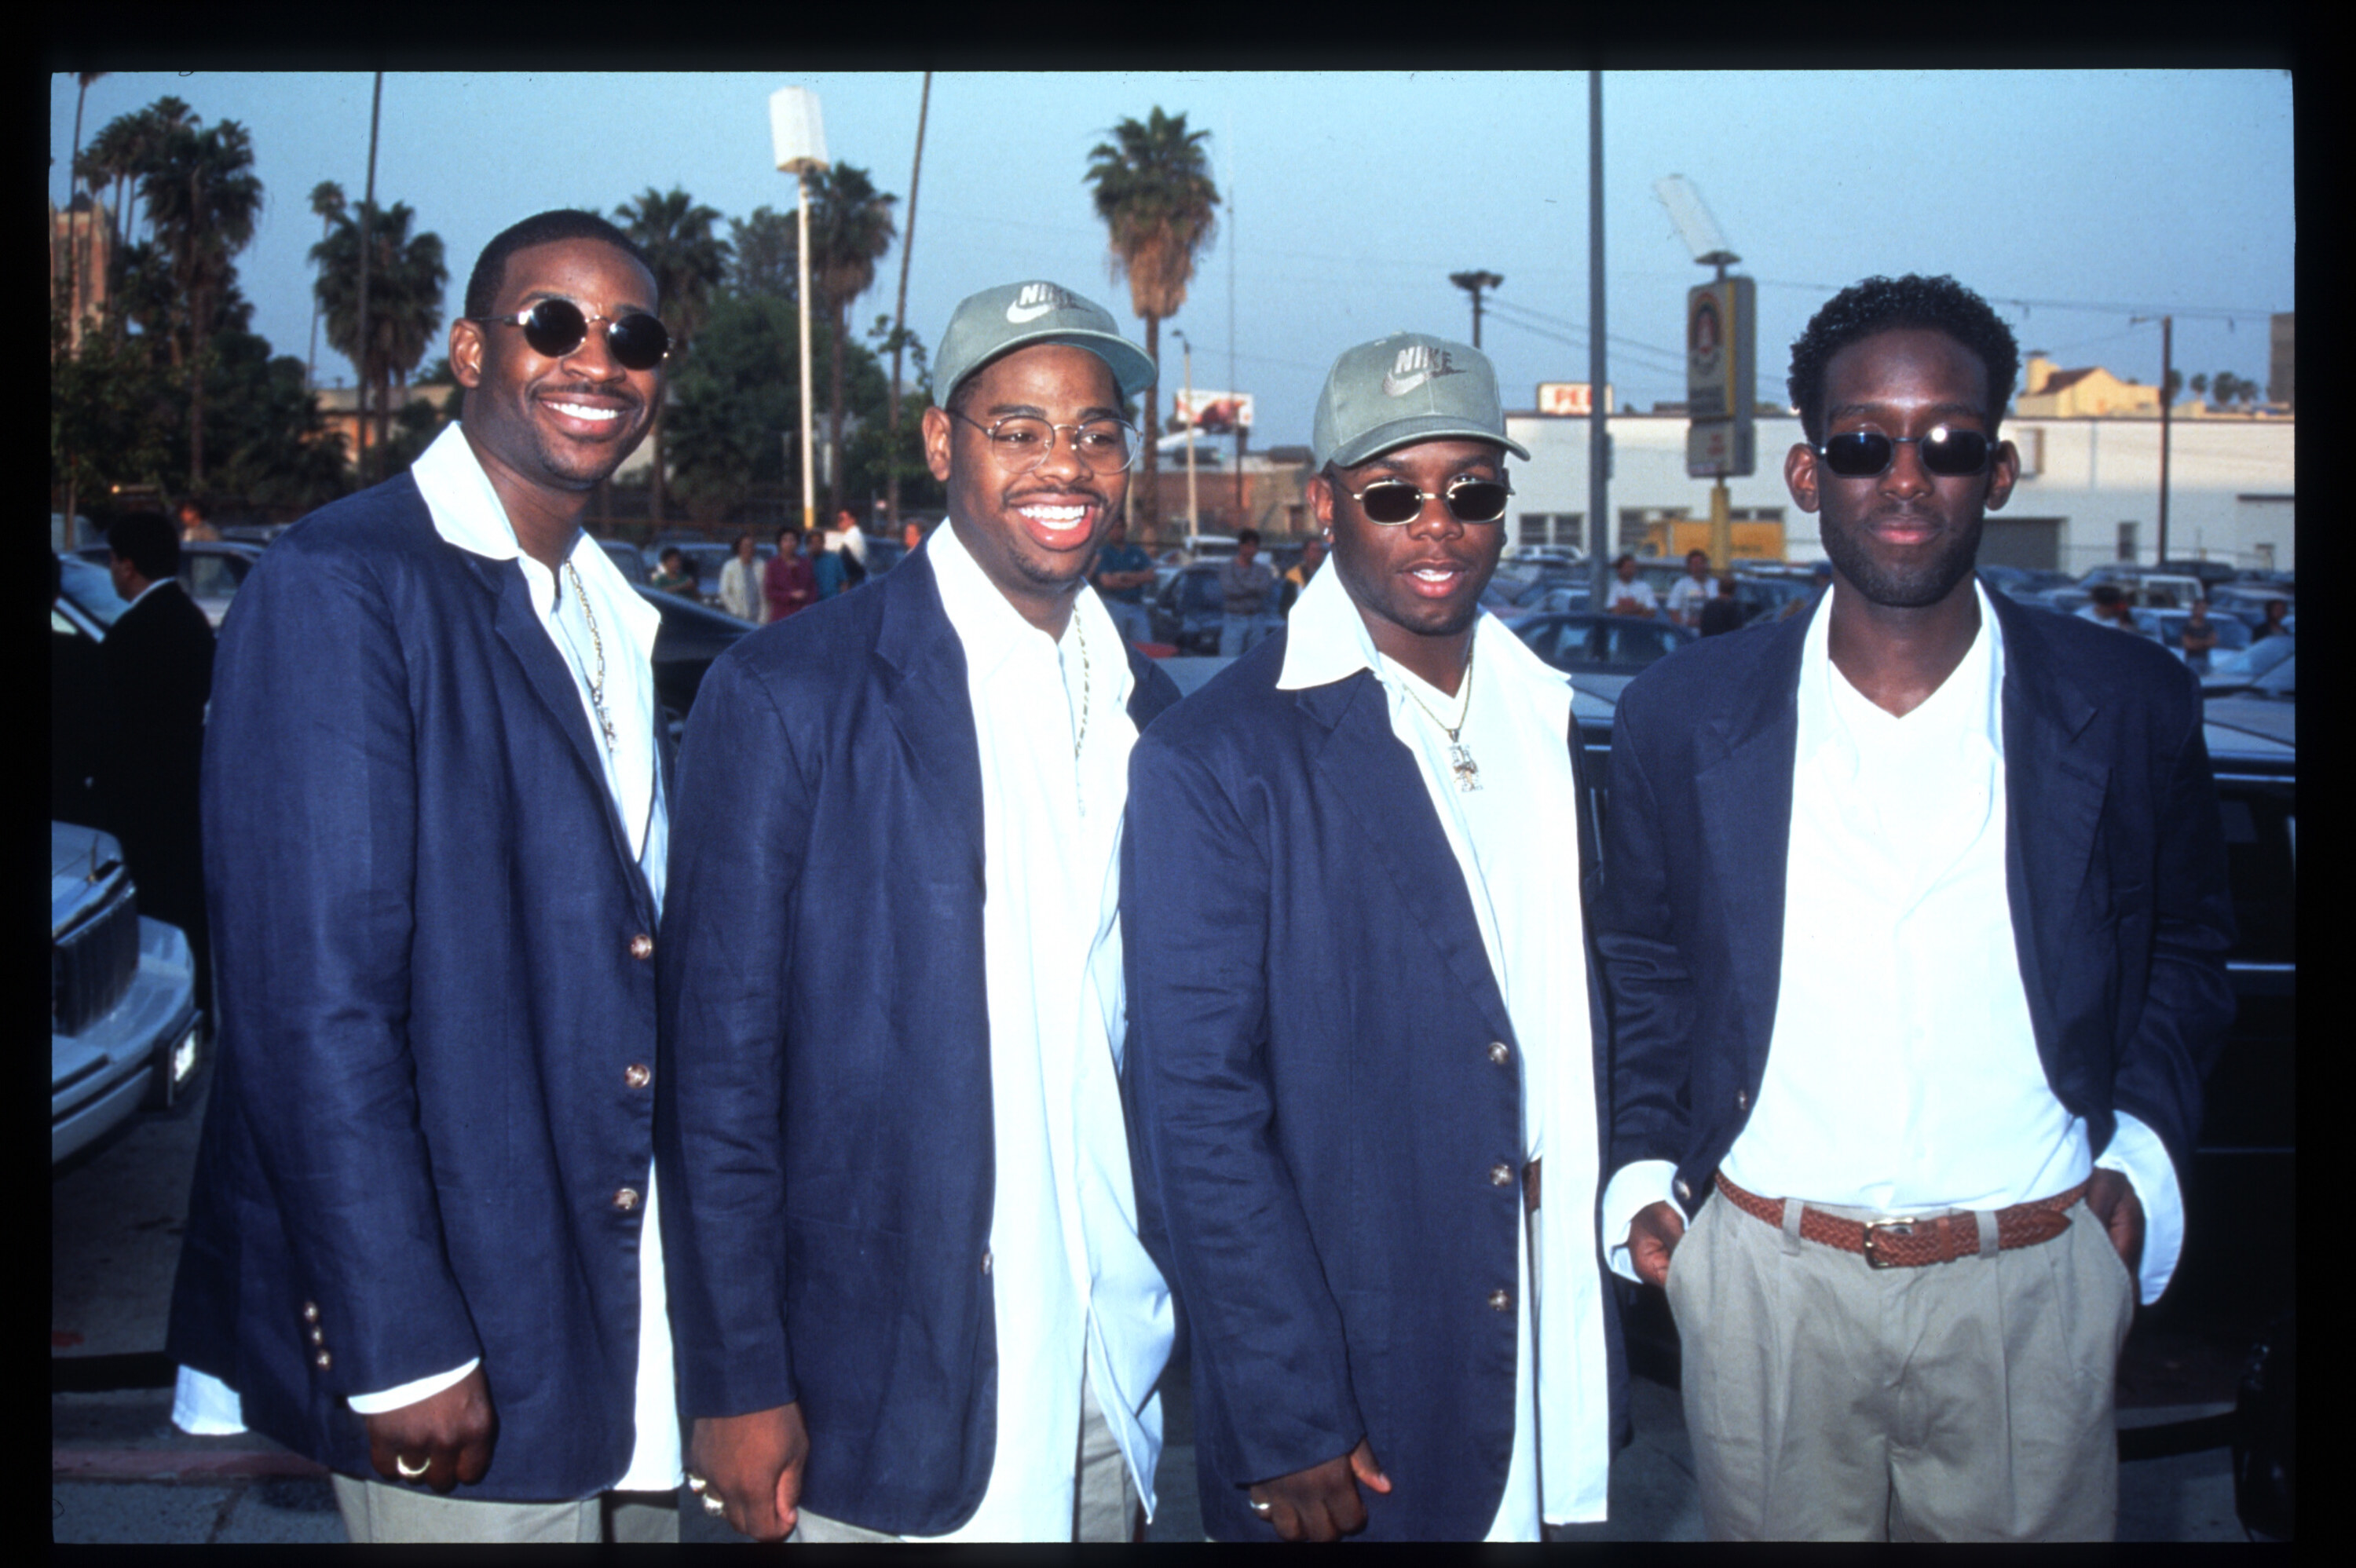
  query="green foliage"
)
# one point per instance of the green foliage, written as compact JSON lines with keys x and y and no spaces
{"x":102,"y":426}
{"x":761,"y":255}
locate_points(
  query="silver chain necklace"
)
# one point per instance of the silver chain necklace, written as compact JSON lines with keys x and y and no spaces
{"x":1460,"y":757}
{"x":597,"y":644}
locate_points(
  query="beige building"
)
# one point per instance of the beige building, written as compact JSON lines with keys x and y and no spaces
{"x":81,"y":249}
{"x":2089,"y":392}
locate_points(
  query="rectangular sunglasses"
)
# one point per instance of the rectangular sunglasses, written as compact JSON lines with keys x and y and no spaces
{"x":1866,"y":454}
{"x":1391,"y":502}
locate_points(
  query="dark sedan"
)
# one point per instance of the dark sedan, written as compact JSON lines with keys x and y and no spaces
{"x":1602,"y":653}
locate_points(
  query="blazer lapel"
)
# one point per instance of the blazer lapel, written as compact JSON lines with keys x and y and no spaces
{"x":2053,"y":801}
{"x":1369,"y":770}
{"x":1743,"y":809}
{"x":922,"y":665}
{"x":520,"y":627}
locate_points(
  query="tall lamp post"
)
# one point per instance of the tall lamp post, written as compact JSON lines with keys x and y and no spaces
{"x":798,"y":136}
{"x":1186,"y":411}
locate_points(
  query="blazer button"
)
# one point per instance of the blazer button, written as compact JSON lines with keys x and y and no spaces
{"x":637,"y":1075}
{"x":1501,"y":1175}
{"x":642,"y":946}
{"x":627,"y":1198}
{"x":1500,"y":1053}
{"x":1501,"y":1301}
{"x":319,"y":1338}
{"x":1743,"y":1099}
{"x":1685,"y":1189}
{"x":323,"y":1361}
{"x":985,"y":1261}
{"x":310,"y":1312}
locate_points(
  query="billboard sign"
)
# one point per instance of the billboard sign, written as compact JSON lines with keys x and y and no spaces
{"x":1215,"y":413}
{"x":1574,"y":400}
{"x":1721,"y":369}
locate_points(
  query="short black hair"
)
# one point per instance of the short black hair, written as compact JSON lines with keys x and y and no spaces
{"x":1247,"y":536}
{"x":671,"y":552}
{"x":148,"y":542}
{"x":1883,"y":304}
{"x":2107,"y":594}
{"x":1696,"y":550}
{"x":490,"y":272}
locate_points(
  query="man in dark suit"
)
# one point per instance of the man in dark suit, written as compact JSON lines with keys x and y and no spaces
{"x":1915,"y":923}
{"x":158,"y":664}
{"x":1364,"y":1016}
{"x":422,"y":1242}
{"x":907,"y":1279}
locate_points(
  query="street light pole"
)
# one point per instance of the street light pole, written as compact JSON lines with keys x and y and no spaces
{"x":798,"y":135}
{"x":1186,"y":411}
{"x":1472,"y":283}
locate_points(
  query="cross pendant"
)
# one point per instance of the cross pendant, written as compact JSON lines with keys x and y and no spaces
{"x":1468,"y":771}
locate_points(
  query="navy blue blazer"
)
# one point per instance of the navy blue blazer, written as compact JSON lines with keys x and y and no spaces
{"x":425,"y":906}
{"x":1312,"y":1023}
{"x":2114,"y":855}
{"x":824,"y":1085}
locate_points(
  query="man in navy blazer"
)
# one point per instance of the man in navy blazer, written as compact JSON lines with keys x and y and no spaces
{"x":1364,"y":1016}
{"x":907,"y":1282}
{"x":1915,"y":915}
{"x":419,"y":1241}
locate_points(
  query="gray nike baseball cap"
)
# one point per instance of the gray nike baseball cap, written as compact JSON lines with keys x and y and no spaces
{"x":1408,"y":386}
{"x":1016,"y":315}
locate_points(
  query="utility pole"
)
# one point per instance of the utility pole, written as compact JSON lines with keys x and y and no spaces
{"x":2167,"y":370}
{"x":1599,"y":441}
{"x":1472,"y":283}
{"x":900,"y":311}
{"x":367,"y":214}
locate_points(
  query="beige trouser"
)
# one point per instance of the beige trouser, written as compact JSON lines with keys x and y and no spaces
{"x":1966,"y":1401}
{"x":1105,"y":1504}
{"x":377,"y":1512}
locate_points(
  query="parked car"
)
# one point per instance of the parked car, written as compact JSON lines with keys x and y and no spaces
{"x":1600,"y":652}
{"x":1188,"y":612}
{"x":692,"y":635}
{"x":210,"y":572}
{"x":2264,"y":668}
{"x":2024,"y":582}
{"x":627,"y":558}
{"x":124,"y":1031}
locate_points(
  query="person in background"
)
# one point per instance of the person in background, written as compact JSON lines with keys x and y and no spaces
{"x":1245,"y":584}
{"x":743,"y":583}
{"x":671,"y":575}
{"x":2108,"y":607}
{"x":2276,"y":609}
{"x":2199,"y":636}
{"x":1723,"y":612}
{"x":1631,"y":594}
{"x":790,"y":583}
{"x":196,"y":521}
{"x":1691,"y":591}
{"x":1122,"y":574}
{"x":1313,"y":555}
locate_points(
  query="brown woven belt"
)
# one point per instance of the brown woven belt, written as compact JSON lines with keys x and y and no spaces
{"x":1909,"y":1242}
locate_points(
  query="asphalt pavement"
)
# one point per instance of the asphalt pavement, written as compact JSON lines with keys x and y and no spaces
{"x":120,"y":1472}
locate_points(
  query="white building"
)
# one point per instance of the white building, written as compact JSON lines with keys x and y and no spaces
{"x":2088,"y":489}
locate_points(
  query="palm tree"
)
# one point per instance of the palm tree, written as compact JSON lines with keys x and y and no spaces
{"x":126,"y":151}
{"x":406,"y":279}
{"x":327,"y":202}
{"x":1154,"y":190}
{"x":75,"y":246}
{"x":851,"y":230}
{"x":202,"y":197}
{"x":688,"y":261}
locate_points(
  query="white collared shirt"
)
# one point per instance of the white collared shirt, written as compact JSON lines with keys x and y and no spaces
{"x":1516,"y":840}
{"x":467,"y":513}
{"x":1070,"y":1280}
{"x":1903,"y":1070}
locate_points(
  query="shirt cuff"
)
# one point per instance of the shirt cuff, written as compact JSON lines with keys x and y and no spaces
{"x":1636,"y":1188}
{"x":393,"y":1399}
{"x":2137,"y":1153}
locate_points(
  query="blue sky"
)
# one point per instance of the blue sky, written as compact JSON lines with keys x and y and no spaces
{"x":2076,"y":200}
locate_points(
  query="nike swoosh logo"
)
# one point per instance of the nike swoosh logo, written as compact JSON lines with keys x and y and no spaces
{"x":1394,"y":386}
{"x":1019,"y":313}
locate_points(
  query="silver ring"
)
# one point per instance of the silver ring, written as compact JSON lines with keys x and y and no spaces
{"x":400,"y":1463}
{"x":1261,"y":1508}
{"x":712,"y":1503}
{"x":696,"y":1483}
